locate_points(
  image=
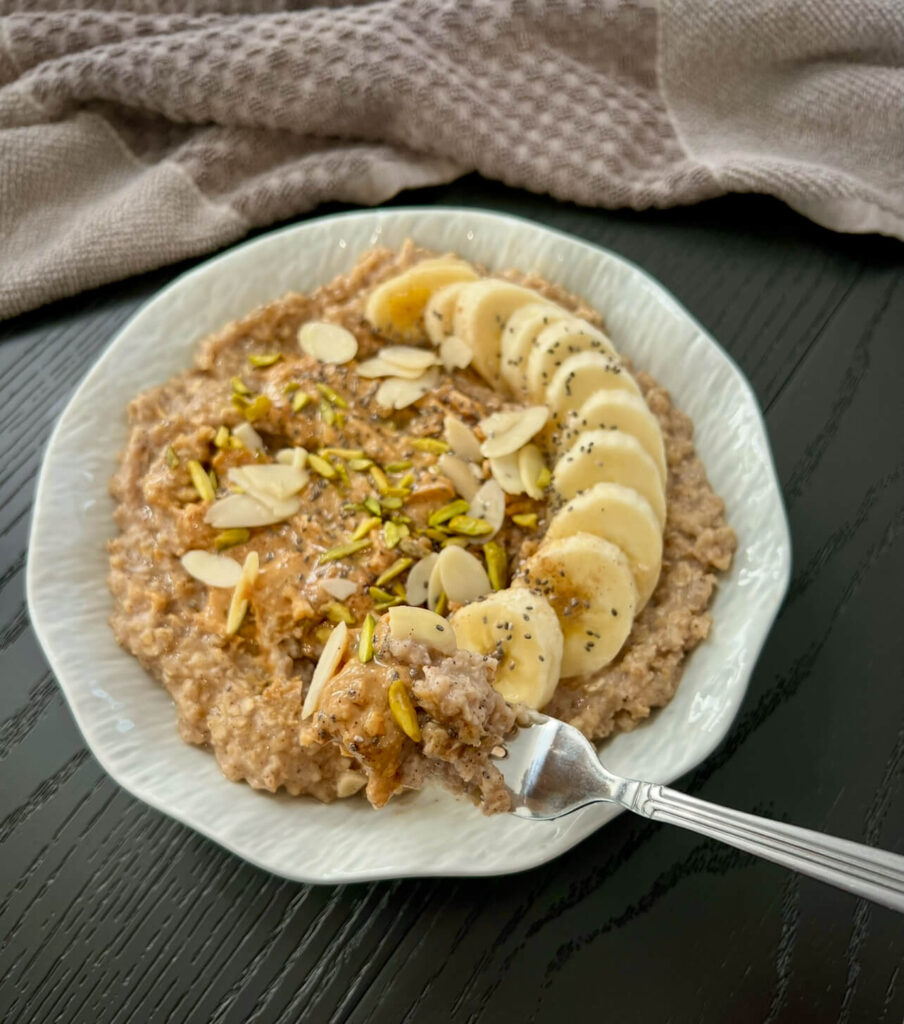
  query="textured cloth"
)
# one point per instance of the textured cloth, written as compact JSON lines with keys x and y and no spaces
{"x":138,"y":132}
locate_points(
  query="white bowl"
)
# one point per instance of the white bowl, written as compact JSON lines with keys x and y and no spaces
{"x":128,"y":719}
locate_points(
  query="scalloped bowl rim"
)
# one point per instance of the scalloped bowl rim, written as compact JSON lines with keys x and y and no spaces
{"x":479,"y":846}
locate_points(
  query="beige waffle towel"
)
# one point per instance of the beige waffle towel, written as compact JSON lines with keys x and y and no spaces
{"x":138,"y":132}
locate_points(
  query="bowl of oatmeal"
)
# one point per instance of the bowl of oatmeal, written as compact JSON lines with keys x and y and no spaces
{"x":387,"y":481}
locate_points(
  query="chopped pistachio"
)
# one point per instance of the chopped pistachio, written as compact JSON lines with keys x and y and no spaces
{"x":344,"y":550}
{"x":239,"y":401}
{"x":240,"y":387}
{"x":454,"y":542}
{"x":299,"y":400}
{"x":392,"y":534}
{"x":341,"y":472}
{"x":434,"y":534}
{"x":544,"y":477}
{"x":397,"y":567}
{"x":398,"y":492}
{"x":526,"y":519}
{"x":351,"y":506}
{"x":337,"y":612}
{"x":380,"y":595}
{"x":391,"y":501}
{"x":403,"y":712}
{"x":212,"y":476}
{"x":321,"y":466}
{"x":327,"y":413}
{"x":407,"y":480}
{"x":264,"y":359}
{"x":442,"y":603}
{"x":323,"y":633}
{"x":373,"y":506}
{"x":430,"y":444}
{"x":229,"y":538}
{"x":497,"y":564}
{"x":172,"y":459}
{"x":379,"y":478}
{"x":383,"y":605}
{"x":366,"y":640}
{"x":342,"y":453}
{"x":365,"y":526}
{"x":359,"y":464}
{"x":470,"y":526}
{"x":447,"y":512}
{"x":333,"y":397}
{"x":201,"y":480}
{"x":221,"y":438}
{"x":397,"y":467}
{"x":397,"y":518}
{"x":340,"y":418}
{"x":398,"y":588}
{"x":291,"y":387}
{"x":258,"y":406}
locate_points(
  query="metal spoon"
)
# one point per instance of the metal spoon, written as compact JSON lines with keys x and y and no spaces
{"x":552,"y":770}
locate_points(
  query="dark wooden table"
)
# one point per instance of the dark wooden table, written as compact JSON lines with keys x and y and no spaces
{"x":112,"y":912}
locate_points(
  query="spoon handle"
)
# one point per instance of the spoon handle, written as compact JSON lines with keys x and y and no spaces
{"x":874,"y":874}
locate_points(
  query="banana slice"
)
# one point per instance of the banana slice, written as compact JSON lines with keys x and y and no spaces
{"x":610,"y":456}
{"x":520,"y":332}
{"x":619,"y":410}
{"x":439,"y":310}
{"x":395,"y":308}
{"x":481,"y":313}
{"x":583,"y":375}
{"x":622,"y":516}
{"x":589,"y":583}
{"x":553,"y":345}
{"x":520,"y":628}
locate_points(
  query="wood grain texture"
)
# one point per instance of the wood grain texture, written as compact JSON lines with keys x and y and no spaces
{"x":110,"y":912}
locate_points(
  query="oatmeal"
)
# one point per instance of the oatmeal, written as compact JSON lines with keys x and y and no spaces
{"x":413,"y":433}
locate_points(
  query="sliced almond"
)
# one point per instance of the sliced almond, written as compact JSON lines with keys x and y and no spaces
{"x":434,"y":585}
{"x":461,"y":439}
{"x":418,"y":581}
{"x":530,"y":464}
{"x":380,"y":367}
{"x":213,"y":570}
{"x":241,"y":596}
{"x":408,"y":358}
{"x":397,"y":392}
{"x":421,"y":626}
{"x":507,"y":473}
{"x":238,"y":510}
{"x":271,"y":481}
{"x":296,"y":457}
{"x":338,"y":587}
{"x":328,"y":343}
{"x":459,"y":472}
{"x":329,"y":660}
{"x":508,"y":431}
{"x":489,"y":504}
{"x":348,"y":783}
{"x":249,"y":437}
{"x":463,"y":577}
{"x":455,"y":353}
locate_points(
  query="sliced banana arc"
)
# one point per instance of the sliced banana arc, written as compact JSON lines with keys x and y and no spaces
{"x":619,"y":410}
{"x":395,"y":308}
{"x":439,"y":311}
{"x":610,"y":456}
{"x":620,"y":515}
{"x":590,"y":585}
{"x":522,"y":328}
{"x":520,"y":628}
{"x":583,"y":375}
{"x":481,"y":312}
{"x":553,"y":345}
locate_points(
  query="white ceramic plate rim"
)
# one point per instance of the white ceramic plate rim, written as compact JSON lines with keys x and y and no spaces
{"x":45,"y":607}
